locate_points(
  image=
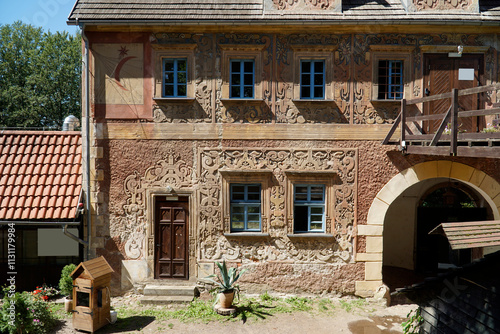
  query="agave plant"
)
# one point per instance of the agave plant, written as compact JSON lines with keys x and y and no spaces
{"x":227,"y":279}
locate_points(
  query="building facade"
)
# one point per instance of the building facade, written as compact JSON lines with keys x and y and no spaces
{"x":252,"y":132}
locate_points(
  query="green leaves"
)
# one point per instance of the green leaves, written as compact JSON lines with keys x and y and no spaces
{"x":40,"y":76}
{"x":227,"y":278}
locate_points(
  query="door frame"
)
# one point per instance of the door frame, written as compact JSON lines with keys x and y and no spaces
{"x":149,"y":249}
{"x":172,"y":202}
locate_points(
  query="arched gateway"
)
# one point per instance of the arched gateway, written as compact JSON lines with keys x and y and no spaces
{"x":391,"y":230}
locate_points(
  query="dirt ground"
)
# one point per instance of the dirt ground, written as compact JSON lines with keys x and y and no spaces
{"x":375,"y":319}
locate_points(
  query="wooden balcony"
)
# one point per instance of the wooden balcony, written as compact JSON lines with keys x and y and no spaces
{"x":448,"y":139}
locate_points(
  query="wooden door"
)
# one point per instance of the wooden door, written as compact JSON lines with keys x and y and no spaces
{"x":441,"y":75}
{"x":171,"y":238}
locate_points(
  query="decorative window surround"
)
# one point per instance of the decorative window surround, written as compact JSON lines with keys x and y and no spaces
{"x":390,"y":52}
{"x":172,"y":51}
{"x":263,"y":177}
{"x":328,"y":179}
{"x":314,"y":52}
{"x":241,"y":52}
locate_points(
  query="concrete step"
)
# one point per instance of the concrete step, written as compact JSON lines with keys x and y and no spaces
{"x":166,"y":300}
{"x":169,"y":290}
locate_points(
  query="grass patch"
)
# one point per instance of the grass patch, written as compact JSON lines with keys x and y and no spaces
{"x":249,"y":308}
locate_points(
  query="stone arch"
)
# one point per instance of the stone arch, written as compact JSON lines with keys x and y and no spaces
{"x":484,"y":184}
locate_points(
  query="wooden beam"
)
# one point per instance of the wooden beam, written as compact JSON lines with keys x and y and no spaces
{"x":454,"y":122}
{"x":441,"y":128}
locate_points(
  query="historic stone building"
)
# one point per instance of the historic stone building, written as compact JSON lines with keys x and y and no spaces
{"x":252,"y":131}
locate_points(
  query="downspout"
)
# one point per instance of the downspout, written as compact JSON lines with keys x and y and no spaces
{"x":65,"y":226}
{"x":87,"y":135}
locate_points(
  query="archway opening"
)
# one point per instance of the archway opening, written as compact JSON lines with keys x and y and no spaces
{"x":410,"y":254}
{"x":445,"y":202}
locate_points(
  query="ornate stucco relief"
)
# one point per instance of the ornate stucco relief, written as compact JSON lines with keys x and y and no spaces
{"x":213,"y":245}
{"x":200,"y":110}
{"x":468,"y":5}
{"x":131,"y":226}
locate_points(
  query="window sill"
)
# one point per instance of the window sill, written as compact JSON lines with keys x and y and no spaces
{"x":174,"y":99}
{"x":312,"y":101}
{"x":246,"y":235}
{"x":386,"y":101}
{"x":245,"y":101}
{"x":311,"y":235}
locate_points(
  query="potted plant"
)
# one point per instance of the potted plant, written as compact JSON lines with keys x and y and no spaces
{"x":66,"y":286}
{"x":225,"y":284}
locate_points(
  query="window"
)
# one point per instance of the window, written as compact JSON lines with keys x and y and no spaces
{"x":312,"y":79}
{"x":245,"y":207}
{"x":313,"y":73}
{"x":241,"y":79}
{"x":309,"y":208}
{"x":241,"y":71}
{"x":391,"y":72}
{"x":174,"y":73}
{"x":175,"y":77}
{"x":246,"y":202}
{"x":390,"y":79}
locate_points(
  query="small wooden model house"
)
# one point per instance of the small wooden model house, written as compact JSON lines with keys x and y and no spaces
{"x":91,"y":294}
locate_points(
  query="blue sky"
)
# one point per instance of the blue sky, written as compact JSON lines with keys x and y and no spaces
{"x":48,"y":14}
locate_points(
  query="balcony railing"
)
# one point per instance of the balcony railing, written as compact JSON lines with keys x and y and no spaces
{"x":448,"y":139}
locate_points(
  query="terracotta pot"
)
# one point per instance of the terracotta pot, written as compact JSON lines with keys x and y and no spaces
{"x":68,"y":304}
{"x":226,"y":299}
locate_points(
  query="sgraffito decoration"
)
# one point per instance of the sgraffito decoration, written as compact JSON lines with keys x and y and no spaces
{"x":131,"y":226}
{"x":305,"y":4}
{"x":214,"y":245}
{"x":200,"y":110}
{"x":468,"y":5}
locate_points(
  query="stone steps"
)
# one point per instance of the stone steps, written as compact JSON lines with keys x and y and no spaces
{"x":158,"y":294}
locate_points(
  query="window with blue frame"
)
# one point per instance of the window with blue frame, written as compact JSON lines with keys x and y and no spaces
{"x":175,"y":78}
{"x":242,"y":79}
{"x":390,"y":80}
{"x":312,"y":79}
{"x":245,"y":207}
{"x":309,"y":208}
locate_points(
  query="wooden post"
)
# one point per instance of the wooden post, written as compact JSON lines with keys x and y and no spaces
{"x":454,"y":122}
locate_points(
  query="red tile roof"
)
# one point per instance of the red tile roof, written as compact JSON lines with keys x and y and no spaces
{"x":33,"y":165}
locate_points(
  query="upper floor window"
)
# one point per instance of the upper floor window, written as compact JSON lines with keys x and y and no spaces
{"x":390,"y":79}
{"x":312,"y":79}
{"x":175,"y":77}
{"x":245,"y":207}
{"x":309,"y":208}
{"x":242,"y":79}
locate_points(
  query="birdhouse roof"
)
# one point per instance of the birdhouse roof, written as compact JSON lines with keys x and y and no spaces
{"x":94,"y":268}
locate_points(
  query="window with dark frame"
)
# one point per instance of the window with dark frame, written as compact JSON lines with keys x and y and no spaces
{"x":241,"y":79}
{"x":390,"y":80}
{"x":309,"y":208}
{"x":312,"y":79}
{"x":175,"y":77}
{"x":245,"y":207}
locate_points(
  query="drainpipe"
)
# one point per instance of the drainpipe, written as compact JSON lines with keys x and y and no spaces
{"x":65,"y":226}
{"x":86,"y":90}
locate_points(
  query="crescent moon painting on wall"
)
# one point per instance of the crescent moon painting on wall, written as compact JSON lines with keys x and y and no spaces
{"x":118,"y":70}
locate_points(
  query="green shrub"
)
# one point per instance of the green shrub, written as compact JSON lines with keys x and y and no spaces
{"x":25,"y":313}
{"x":66,"y":282}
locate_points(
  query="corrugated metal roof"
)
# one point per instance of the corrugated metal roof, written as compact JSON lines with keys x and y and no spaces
{"x":40,"y":174}
{"x":465,"y":235}
{"x":109,"y":11}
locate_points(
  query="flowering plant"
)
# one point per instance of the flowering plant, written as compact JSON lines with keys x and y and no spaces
{"x":491,"y":128}
{"x":45,"y":292}
{"x":24,"y":312}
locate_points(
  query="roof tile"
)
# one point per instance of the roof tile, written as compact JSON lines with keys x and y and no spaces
{"x":31,"y":182}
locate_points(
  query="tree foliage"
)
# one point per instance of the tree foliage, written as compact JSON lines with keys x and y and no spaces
{"x":40,"y":75}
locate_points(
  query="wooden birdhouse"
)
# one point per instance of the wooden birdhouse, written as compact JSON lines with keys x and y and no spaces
{"x":91,"y":294}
